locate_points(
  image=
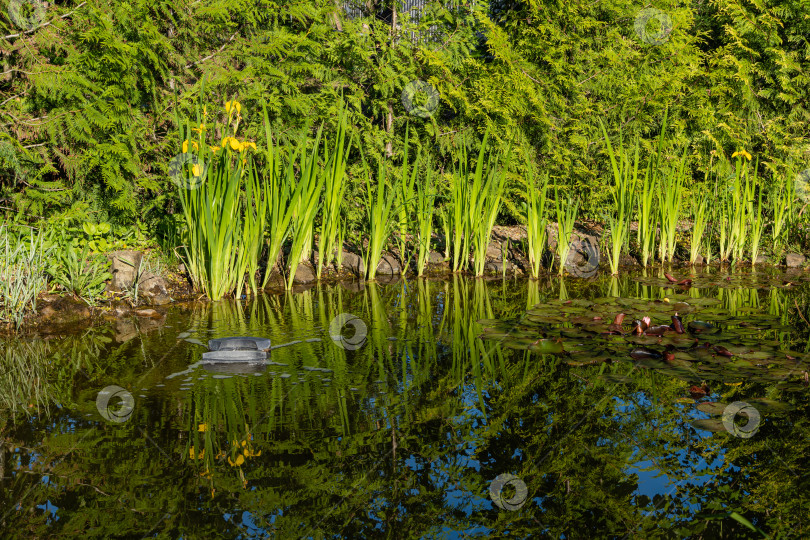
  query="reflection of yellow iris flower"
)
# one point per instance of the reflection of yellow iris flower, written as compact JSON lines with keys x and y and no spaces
{"x":240,"y":459}
{"x":251,"y":453}
{"x":733,"y":383}
{"x":202,"y":427}
{"x":193,"y":455}
{"x":742,"y":153}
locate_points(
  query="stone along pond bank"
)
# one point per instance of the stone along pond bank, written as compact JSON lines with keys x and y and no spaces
{"x":58,"y":314}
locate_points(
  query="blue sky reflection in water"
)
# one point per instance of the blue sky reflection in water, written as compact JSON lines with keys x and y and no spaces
{"x":404,"y":436}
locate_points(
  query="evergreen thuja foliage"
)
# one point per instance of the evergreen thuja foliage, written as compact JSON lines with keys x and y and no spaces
{"x":87,"y":101}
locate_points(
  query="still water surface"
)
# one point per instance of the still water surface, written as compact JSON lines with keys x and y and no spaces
{"x":402,"y":422}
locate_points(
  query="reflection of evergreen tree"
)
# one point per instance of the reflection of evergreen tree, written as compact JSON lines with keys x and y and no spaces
{"x":438,"y":414}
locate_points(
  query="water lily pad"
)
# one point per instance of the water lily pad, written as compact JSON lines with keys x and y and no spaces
{"x":701,"y":327}
{"x":704,"y":301}
{"x":769,"y":406}
{"x":587,"y":360}
{"x":709,"y":424}
{"x":678,"y":340}
{"x":643,"y":340}
{"x":756,"y":355}
{"x":713,"y":408}
{"x":739,"y":364}
{"x":547,"y":319}
{"x":791,"y":387}
{"x":546,"y":346}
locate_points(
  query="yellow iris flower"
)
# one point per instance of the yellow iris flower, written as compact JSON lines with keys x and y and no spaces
{"x":235,"y":105}
{"x":233,"y":142}
{"x":185,"y":146}
{"x":742,"y":153}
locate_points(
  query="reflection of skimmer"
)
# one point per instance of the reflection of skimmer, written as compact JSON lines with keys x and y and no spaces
{"x":236,"y":355}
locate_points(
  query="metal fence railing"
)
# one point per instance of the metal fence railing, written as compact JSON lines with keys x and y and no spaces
{"x":357,"y":9}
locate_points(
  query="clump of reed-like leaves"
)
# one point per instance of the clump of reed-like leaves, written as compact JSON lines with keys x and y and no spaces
{"x":425,"y":200}
{"x":699,"y":216}
{"x":475,"y":203}
{"x":536,"y":222}
{"x":566,"y":217}
{"x":623,"y":192}
{"x":669,"y":203}
{"x":379,"y":204}
{"x":23,"y":265}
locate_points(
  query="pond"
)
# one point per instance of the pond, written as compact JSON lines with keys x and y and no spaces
{"x":425,"y":408}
